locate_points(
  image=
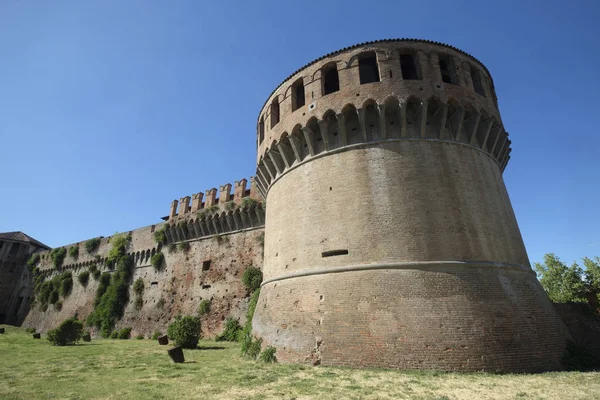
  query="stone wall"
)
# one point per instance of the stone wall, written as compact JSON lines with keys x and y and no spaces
{"x":210,"y":269}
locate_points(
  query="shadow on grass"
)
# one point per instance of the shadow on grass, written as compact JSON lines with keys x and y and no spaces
{"x":210,"y":348}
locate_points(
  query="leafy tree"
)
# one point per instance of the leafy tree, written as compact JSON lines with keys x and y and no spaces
{"x":185,"y":331}
{"x":563,"y":284}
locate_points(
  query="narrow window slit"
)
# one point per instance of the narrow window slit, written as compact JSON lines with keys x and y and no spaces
{"x":333,"y":253}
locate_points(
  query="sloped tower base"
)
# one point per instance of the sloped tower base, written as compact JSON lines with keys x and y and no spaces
{"x":452,"y":317}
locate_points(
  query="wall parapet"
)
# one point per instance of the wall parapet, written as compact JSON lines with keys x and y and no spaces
{"x":211,"y":201}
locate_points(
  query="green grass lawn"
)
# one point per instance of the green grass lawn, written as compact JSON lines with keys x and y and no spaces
{"x":141,"y":369}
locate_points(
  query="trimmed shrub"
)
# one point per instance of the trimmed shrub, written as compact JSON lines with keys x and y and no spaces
{"x":92,"y":245}
{"x":74,"y":251}
{"x":155,"y":335}
{"x":84,"y":278}
{"x":138,"y":286}
{"x":124,"y":333}
{"x":68,"y":333}
{"x":157,"y":261}
{"x":58,"y":256}
{"x":185,"y":331}
{"x":252,"y":278}
{"x":268,"y":355}
{"x":160,"y":303}
{"x":183,"y":246}
{"x":204,"y":307}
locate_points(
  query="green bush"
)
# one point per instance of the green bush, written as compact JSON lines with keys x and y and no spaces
{"x":157,"y":261}
{"x":160,"y":237}
{"x":139,"y":337}
{"x":66,"y":283}
{"x":185,"y":331}
{"x":172,"y":248}
{"x":54,"y":297}
{"x":204,"y":307}
{"x":268,"y":355}
{"x":231,"y":332}
{"x":30,"y":330}
{"x":248,"y":346}
{"x":33,"y":260}
{"x":114,"y":335}
{"x":183,"y":246}
{"x":230,"y":206}
{"x":160,"y":303}
{"x":112,"y":298}
{"x":254,"y":348}
{"x":84,"y":278}
{"x":68,"y":332}
{"x":138,"y":303}
{"x":138,"y":286}
{"x":91,"y":245}
{"x":248,"y":202}
{"x":96,"y":274}
{"x":58,"y":256}
{"x":124,"y":333}
{"x":155,"y":335}
{"x":74,"y":251}
{"x":252,"y":278}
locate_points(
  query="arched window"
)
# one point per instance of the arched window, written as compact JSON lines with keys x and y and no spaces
{"x":448,"y":69}
{"x":275,"y":111}
{"x":298,"y":98}
{"x":261,"y":130}
{"x":331,"y":79}
{"x":410,"y":67}
{"x":477,"y":81}
{"x":368,"y":69}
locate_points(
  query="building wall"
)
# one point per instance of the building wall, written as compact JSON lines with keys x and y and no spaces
{"x":390,"y":239}
{"x":15,"y":281}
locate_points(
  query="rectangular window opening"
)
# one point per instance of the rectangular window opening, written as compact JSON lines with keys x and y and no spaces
{"x":298,"y":97}
{"x":205,"y":265}
{"x":448,"y":69}
{"x":274,"y":112}
{"x":333,"y":253}
{"x":368,"y":70}
{"x":261,"y":130}
{"x":331,"y":80}
{"x":477,"y":81}
{"x":408,"y":64}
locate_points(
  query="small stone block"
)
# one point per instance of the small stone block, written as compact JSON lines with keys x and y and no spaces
{"x":37,"y":335}
{"x":163,"y":340}
{"x":87,"y":338}
{"x":176,"y":354}
{"x":1,"y":331}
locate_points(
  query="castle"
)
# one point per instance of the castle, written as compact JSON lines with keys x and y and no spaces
{"x":389,"y":238}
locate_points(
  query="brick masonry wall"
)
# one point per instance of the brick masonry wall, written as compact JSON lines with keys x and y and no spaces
{"x":182,"y":284}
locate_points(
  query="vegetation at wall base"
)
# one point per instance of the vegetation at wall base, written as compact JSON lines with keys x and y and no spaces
{"x":185,"y":331}
{"x":140,"y":337}
{"x":74,"y":252}
{"x":155,"y":335}
{"x":204,"y":307}
{"x":245,"y":337}
{"x":231,"y":332}
{"x":252,"y":278}
{"x":83,"y":278}
{"x":68,"y":333}
{"x":111,"y":299}
{"x":58,"y":256}
{"x":158,"y":261}
{"x":124,"y":333}
{"x":92,"y":245}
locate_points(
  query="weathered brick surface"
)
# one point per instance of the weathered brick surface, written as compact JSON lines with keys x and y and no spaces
{"x":446,"y":318}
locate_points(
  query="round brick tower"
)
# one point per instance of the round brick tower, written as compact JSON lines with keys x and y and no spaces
{"x":390,"y":240}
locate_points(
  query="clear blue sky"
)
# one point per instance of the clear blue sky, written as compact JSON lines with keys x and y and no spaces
{"x":111,"y":109}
